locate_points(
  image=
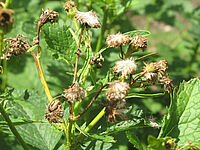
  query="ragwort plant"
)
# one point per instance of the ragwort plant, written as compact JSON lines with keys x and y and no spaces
{"x":65,"y":112}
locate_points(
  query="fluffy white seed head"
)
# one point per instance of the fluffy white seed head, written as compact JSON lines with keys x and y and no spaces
{"x":118,"y":39}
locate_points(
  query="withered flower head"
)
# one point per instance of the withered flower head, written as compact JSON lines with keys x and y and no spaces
{"x":115,"y":111}
{"x":47,"y":16}
{"x":139,"y":42}
{"x":70,"y":5}
{"x":74,"y":93}
{"x":6,"y":16}
{"x":118,"y":39}
{"x":97,"y":60}
{"x":125,"y":67}
{"x":15,"y":46}
{"x":117,"y":90}
{"x":155,"y":71}
{"x":89,"y":19}
{"x":54,"y":112}
{"x":168,"y":85}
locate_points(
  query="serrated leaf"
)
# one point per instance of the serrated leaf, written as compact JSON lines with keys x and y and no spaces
{"x":183,"y":118}
{"x":29,"y":105}
{"x":134,"y":140}
{"x":60,"y":41}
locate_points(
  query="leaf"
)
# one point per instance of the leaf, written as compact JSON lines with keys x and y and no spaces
{"x":183,"y":118}
{"x":155,"y":144}
{"x":60,"y":41}
{"x":107,"y":139}
{"x":144,"y":95}
{"x":29,"y":105}
{"x":134,"y":140}
{"x":143,"y":33}
{"x":96,"y":145}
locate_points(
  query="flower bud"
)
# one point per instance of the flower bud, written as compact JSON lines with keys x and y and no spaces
{"x":117,"y":90}
{"x":70,"y":8}
{"x":54,"y":112}
{"x":116,"y":40}
{"x":74,"y":93}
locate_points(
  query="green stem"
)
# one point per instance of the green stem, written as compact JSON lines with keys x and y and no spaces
{"x":103,"y":28}
{"x":41,"y":74}
{"x":4,"y":75}
{"x":7,"y":3}
{"x":12,"y":128}
{"x":95,"y":120}
{"x":68,"y":135}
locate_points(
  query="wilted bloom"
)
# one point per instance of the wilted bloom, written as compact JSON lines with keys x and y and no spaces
{"x":139,"y":42}
{"x":97,"y":60}
{"x":115,"y":111}
{"x":89,"y":19}
{"x":15,"y":46}
{"x":117,"y":90}
{"x":6,"y":19}
{"x":47,"y":16}
{"x":125,"y":67}
{"x":74,"y":93}
{"x":168,"y":85}
{"x":118,"y":39}
{"x":70,"y":5}
{"x":54,"y":112}
{"x":155,"y":71}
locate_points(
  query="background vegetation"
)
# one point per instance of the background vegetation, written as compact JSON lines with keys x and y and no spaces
{"x":175,"y":36}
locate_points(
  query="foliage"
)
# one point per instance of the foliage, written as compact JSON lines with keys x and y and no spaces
{"x":152,"y":118}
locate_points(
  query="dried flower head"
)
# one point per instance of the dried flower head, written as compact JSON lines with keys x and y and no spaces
{"x":47,"y":16}
{"x":97,"y":60}
{"x":118,"y":39}
{"x":74,"y":93}
{"x":155,"y":71}
{"x":125,"y":67}
{"x":139,"y":42}
{"x":6,"y":17}
{"x":89,"y":19}
{"x":15,"y":46}
{"x":168,"y":85}
{"x":117,"y":90}
{"x":54,"y":112}
{"x":70,"y":5}
{"x":115,"y":111}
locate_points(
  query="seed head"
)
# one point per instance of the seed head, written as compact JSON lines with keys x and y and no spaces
{"x":168,"y":85}
{"x":162,"y":68}
{"x":151,"y":77}
{"x":118,"y":39}
{"x":47,"y":16}
{"x":70,"y":5}
{"x":117,"y":91}
{"x":15,"y":46}
{"x":6,"y":17}
{"x":54,"y":112}
{"x":125,"y":67}
{"x":74,"y":93}
{"x":139,"y":42}
{"x":89,"y":19}
{"x":115,"y":111}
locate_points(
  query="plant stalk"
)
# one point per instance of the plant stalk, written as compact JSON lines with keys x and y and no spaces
{"x":12,"y":128}
{"x":41,"y":74}
{"x":77,"y":54}
{"x":7,"y":3}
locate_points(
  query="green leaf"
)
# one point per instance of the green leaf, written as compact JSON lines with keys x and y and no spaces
{"x":143,"y":33}
{"x":155,"y":144}
{"x":107,"y":139}
{"x":96,"y":145}
{"x":144,"y":95}
{"x":27,"y":104}
{"x":60,"y":41}
{"x":183,"y":118}
{"x":134,"y":140}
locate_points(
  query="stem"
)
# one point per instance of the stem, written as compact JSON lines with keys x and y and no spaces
{"x":103,"y":28}
{"x":12,"y":128}
{"x":90,"y":104}
{"x":4,"y":75}
{"x":95,"y":120}
{"x":77,"y":54}
{"x":68,"y":136}
{"x":7,"y":3}
{"x":122,"y":53}
{"x":41,"y":74}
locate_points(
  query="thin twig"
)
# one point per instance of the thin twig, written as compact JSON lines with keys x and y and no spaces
{"x":77,"y":54}
{"x":122,"y":53}
{"x":90,"y":104}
